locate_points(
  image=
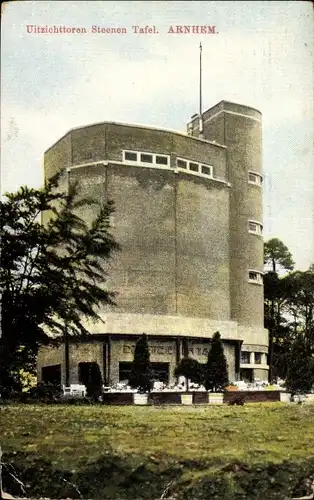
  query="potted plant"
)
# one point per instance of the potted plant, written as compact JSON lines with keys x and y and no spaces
{"x":190,"y":369}
{"x":141,"y":373}
{"x":216,"y":371}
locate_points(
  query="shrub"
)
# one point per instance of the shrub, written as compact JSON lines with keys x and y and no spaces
{"x":190,"y":369}
{"x":141,"y":373}
{"x":216,"y":369}
{"x":44,"y":392}
{"x":239,"y":401}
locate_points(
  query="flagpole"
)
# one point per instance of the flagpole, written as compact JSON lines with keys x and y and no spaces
{"x":200,"y":113}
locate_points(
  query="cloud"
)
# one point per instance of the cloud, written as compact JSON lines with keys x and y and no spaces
{"x":261,"y":57}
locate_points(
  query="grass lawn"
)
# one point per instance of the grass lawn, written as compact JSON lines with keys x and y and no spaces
{"x":133,"y":453}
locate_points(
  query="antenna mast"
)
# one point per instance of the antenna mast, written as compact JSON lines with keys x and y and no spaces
{"x":201,"y":131}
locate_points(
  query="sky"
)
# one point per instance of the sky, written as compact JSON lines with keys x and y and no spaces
{"x":261,"y":55}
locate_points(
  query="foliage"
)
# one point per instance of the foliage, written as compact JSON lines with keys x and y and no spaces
{"x":288,"y":306}
{"x":27,"y":379}
{"x":44,"y":392}
{"x":53,"y":274}
{"x":277,"y":255}
{"x":141,"y":372}
{"x":191,"y":369}
{"x":300,"y":373}
{"x":300,"y":302}
{"x":216,"y":370}
{"x":280,"y":329}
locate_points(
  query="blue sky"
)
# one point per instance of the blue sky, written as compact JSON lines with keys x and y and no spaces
{"x":261,"y":56}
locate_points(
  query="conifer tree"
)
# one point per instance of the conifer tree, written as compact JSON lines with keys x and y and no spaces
{"x":52,"y":275}
{"x":216,"y":369}
{"x":141,"y":373}
{"x":300,"y":374}
{"x":94,"y":382}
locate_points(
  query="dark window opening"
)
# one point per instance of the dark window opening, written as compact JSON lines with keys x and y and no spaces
{"x":206,"y":170}
{"x":146,"y":158}
{"x":255,"y":178}
{"x":130,"y":156}
{"x":245,"y":357}
{"x":160,"y":371}
{"x":258,"y":358}
{"x":51,"y":374}
{"x":193,"y":167}
{"x":161,"y":160}
{"x":181,"y":164}
{"x":124,"y":371}
{"x":89,"y":374}
{"x":246,"y":374}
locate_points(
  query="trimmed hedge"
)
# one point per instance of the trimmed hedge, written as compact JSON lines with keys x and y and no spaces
{"x":252,"y":396}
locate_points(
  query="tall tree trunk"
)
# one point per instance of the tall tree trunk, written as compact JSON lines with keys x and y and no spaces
{"x":186,"y":384}
{"x":271,"y":342}
{"x":66,"y":357}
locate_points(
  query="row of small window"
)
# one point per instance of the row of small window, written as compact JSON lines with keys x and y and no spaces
{"x":246,"y":358}
{"x":196,"y":167}
{"x":149,"y":158}
{"x":182,"y":163}
{"x":164,"y":160}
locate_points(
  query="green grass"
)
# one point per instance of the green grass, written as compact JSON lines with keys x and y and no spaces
{"x":190,"y":443}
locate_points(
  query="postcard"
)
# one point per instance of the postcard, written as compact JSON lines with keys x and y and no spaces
{"x":196,"y":120}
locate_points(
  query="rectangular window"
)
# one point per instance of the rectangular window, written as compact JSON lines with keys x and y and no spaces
{"x":51,"y":374}
{"x":146,"y":158}
{"x":206,"y":170}
{"x":255,"y":227}
{"x":255,"y":178}
{"x":160,"y":371}
{"x":245,"y":358}
{"x":161,"y":160}
{"x":258,"y":358}
{"x":130,"y":156}
{"x":125,"y":368}
{"x":255,"y":277}
{"x":193,"y":167}
{"x":181,"y":163}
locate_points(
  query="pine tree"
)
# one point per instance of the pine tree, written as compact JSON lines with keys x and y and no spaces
{"x":94,"y":382}
{"x":300,"y":374}
{"x":216,"y":370}
{"x":52,"y":275}
{"x":141,"y":373}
